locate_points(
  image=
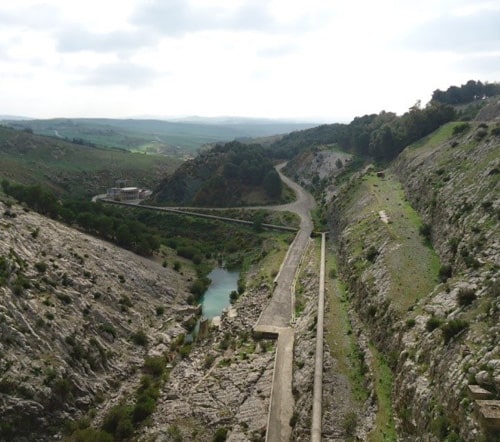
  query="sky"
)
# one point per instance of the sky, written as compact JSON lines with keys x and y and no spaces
{"x":314,"y":60}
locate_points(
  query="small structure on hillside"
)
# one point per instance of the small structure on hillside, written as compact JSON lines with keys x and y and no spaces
{"x":488,"y":412}
{"x":123,"y":193}
{"x":127,"y":193}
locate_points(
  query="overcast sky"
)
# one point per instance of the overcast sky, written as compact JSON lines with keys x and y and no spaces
{"x":322,"y":60}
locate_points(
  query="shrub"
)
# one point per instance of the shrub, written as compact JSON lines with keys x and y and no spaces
{"x":125,"y":429}
{"x":426,"y":230}
{"x":66,"y":280}
{"x":108,"y":328}
{"x":64,"y":298}
{"x":160,"y":310}
{"x":410,"y":323}
{"x":143,"y":408}
{"x":294,"y":419}
{"x":241,"y":285}
{"x":125,"y":301}
{"x":233,"y":296}
{"x":466,"y":296}
{"x":115,"y":416}
{"x":480,"y":134}
{"x":371,"y":254}
{"x":350,"y":423}
{"x":209,"y":360}
{"x":90,"y":435}
{"x":445,"y":272}
{"x":140,"y":338}
{"x":220,"y":434}
{"x":154,"y":365}
{"x":177,"y":266}
{"x":452,"y":328}
{"x":185,"y":350}
{"x":175,"y":433}
{"x":461,"y":128}
{"x":199,"y":287}
{"x":41,"y":266}
{"x":432,"y":323}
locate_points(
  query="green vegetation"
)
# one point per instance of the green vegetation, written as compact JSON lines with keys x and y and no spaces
{"x":466,"y":93}
{"x":432,"y":323}
{"x":205,"y":180}
{"x":145,"y":232}
{"x":69,"y":169}
{"x":151,"y":136}
{"x":384,"y":430}
{"x":452,"y":328}
{"x":220,"y":434}
{"x":380,"y":136}
{"x":402,"y":228}
{"x":340,"y":338}
{"x":466,"y":296}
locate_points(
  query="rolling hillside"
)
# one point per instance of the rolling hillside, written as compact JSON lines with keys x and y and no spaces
{"x":76,"y":169}
{"x":156,"y":136}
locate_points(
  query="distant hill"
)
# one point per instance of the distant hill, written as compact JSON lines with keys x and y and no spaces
{"x":76,"y":169}
{"x":157,"y":136}
{"x":233,"y":174}
{"x":13,"y":117}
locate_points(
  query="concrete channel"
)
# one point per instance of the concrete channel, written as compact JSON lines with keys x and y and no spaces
{"x":318,"y":367}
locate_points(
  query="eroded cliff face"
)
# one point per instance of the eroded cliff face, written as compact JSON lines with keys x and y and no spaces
{"x":77,"y":318}
{"x":425,"y":283}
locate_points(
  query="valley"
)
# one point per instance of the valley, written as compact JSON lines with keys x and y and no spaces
{"x":399,"y":239}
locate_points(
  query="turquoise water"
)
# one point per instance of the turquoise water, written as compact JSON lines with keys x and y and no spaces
{"x":216,"y":298}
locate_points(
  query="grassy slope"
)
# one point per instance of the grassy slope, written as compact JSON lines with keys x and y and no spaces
{"x":453,"y":167}
{"x":405,"y":266}
{"x":67,"y":167}
{"x":411,"y":265}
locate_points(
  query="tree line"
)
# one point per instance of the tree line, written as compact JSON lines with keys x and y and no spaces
{"x":382,"y":136}
{"x":466,"y":93}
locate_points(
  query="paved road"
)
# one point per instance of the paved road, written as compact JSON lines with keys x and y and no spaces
{"x":279,"y":311}
{"x":276,"y":317}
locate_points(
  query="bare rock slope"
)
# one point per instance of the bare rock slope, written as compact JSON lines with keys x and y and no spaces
{"x":77,"y":318}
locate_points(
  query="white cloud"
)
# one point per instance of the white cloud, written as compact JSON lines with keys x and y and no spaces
{"x":277,"y":58}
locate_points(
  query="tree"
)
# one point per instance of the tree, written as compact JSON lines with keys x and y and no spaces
{"x":123,"y":236}
{"x":272,"y":184}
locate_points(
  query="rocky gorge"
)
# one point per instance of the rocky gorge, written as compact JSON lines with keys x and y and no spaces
{"x":418,"y":246}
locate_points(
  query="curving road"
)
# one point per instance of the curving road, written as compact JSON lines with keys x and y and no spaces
{"x":276,"y":317}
